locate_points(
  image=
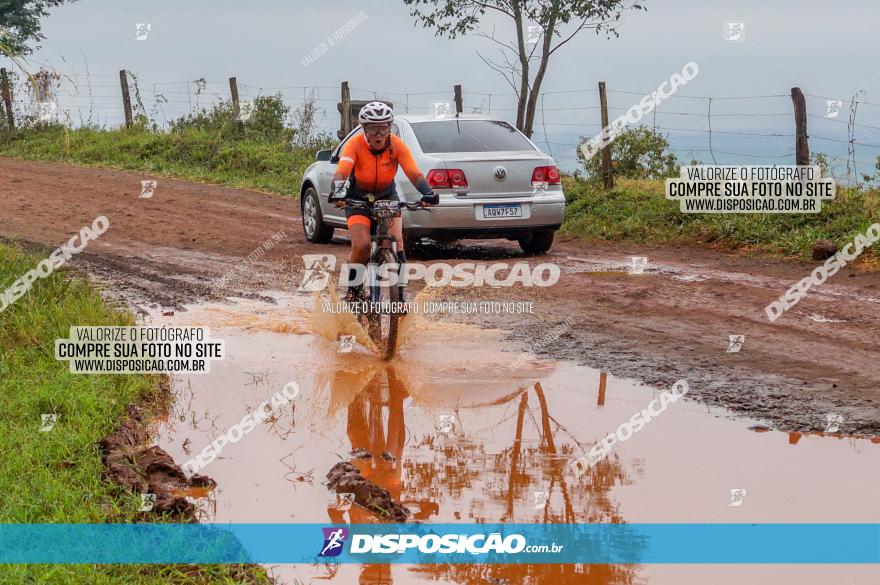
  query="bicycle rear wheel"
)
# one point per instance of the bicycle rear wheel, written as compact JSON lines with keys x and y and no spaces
{"x":384,"y":314}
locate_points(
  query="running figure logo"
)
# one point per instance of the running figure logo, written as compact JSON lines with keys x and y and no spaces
{"x":639,"y":263}
{"x":147,"y":188}
{"x":334,"y":541}
{"x":317,"y":271}
{"x":735,"y":343}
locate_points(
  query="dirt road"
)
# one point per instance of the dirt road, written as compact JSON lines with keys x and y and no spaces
{"x":671,"y":322}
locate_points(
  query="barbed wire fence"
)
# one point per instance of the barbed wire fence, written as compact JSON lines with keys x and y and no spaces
{"x":748,"y":129}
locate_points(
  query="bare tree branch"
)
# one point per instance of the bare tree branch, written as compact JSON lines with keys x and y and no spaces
{"x":451,"y":18}
{"x":497,"y":68}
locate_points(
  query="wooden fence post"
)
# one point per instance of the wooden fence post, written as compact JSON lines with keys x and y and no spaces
{"x":126,"y":98}
{"x":6,"y":90}
{"x":346,"y":110}
{"x":607,"y":171}
{"x":458,"y":101}
{"x":236,"y":105}
{"x":801,"y":141}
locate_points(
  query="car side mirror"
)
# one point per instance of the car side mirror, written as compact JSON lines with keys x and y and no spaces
{"x":334,"y":160}
{"x":322,"y":155}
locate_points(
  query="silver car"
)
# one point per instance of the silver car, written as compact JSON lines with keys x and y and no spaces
{"x":493,"y":182}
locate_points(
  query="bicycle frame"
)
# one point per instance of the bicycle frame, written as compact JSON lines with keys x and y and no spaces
{"x":383,"y":250}
{"x":381,"y":240}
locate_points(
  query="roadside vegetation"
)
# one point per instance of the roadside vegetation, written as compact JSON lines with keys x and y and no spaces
{"x":268,"y":153}
{"x":272,"y":148}
{"x":56,"y":476}
{"x":636,"y":209}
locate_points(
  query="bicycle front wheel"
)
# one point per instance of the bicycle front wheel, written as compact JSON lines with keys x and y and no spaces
{"x":385,"y":312}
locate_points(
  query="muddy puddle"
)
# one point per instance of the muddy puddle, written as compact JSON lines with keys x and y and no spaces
{"x":461,"y":428}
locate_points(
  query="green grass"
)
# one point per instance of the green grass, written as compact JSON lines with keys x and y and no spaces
{"x":636,"y":210}
{"x":55,"y":476}
{"x":194,"y":154}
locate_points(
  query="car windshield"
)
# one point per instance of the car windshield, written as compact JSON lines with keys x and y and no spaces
{"x":469,"y":136}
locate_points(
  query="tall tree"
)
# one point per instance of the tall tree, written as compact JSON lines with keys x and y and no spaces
{"x":20,"y":23}
{"x":542,"y":27}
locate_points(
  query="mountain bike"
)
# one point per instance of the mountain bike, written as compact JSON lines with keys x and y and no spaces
{"x":381,"y":312}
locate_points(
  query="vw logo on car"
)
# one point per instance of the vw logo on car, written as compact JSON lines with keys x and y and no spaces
{"x":500,"y":173}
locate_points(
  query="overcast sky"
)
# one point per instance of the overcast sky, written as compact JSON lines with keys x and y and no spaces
{"x":828,"y":49}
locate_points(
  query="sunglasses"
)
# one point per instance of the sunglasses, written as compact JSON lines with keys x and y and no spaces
{"x":378,"y":130}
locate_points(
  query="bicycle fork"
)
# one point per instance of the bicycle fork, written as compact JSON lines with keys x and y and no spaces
{"x":373,"y":270}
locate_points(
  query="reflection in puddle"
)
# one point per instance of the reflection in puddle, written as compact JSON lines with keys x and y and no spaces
{"x":455,"y":434}
{"x":195,"y":492}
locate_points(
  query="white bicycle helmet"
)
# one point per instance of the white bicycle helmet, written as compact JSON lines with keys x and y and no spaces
{"x":376,"y":113}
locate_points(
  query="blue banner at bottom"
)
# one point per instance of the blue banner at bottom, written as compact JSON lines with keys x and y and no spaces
{"x":442,"y":543}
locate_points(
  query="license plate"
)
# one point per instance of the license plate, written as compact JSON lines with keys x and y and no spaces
{"x":502,"y":210}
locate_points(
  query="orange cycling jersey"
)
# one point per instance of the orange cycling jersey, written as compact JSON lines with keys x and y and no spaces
{"x":374,"y":173}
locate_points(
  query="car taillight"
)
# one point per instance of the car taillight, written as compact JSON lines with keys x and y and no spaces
{"x":446,"y":179}
{"x":549,"y":175}
{"x":457,"y":178}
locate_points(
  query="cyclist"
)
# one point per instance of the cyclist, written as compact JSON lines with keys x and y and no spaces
{"x":371,"y":163}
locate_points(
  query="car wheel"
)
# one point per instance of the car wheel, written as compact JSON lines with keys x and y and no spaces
{"x":314,"y":227}
{"x":536,"y":243}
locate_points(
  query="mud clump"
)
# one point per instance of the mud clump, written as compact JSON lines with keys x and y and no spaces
{"x":346,"y":478}
{"x":131,"y":463}
{"x":824,"y":249}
